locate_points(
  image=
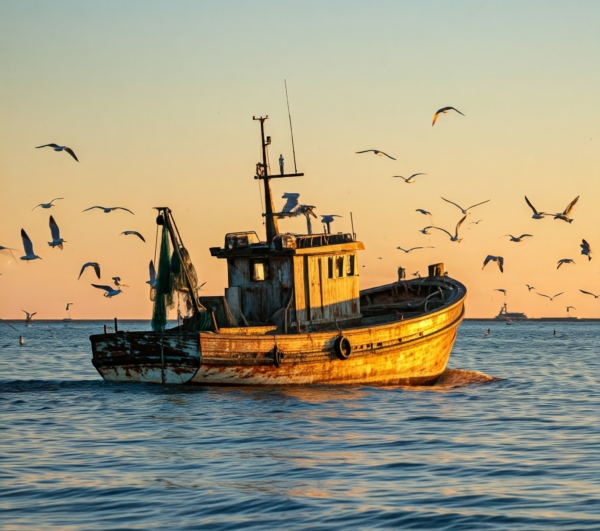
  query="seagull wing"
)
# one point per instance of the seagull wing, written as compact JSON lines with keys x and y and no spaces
{"x":388,"y":156}
{"x":56,"y":199}
{"x":487,"y":259}
{"x":453,"y":109}
{"x":588,"y":293}
{"x":415,"y":174}
{"x":122,"y":208}
{"x":501,"y":264}
{"x":105,"y":288}
{"x":36,"y":206}
{"x":525,"y":235}
{"x":135,"y":233}
{"x":291,"y":203}
{"x":96,"y":268}
{"x":440,"y":228}
{"x":48,"y":145}
{"x":554,"y":296}
{"x":400,"y":177}
{"x":473,"y":206}
{"x":365,"y":151}
{"x":33,"y":314}
{"x":531,"y":206}
{"x":100,"y":207}
{"x":458,"y":225}
{"x":72,"y":153}
{"x":54,"y":230}
{"x":570,"y":206}
{"x":452,"y":202}
{"x":27,"y":245}
{"x":542,"y":295}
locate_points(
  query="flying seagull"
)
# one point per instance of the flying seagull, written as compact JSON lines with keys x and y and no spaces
{"x":29,"y":316}
{"x":152,"y":273}
{"x":503,"y":291}
{"x":548,"y":296}
{"x":425,"y":230}
{"x":443,"y":110}
{"x":117,"y":281}
{"x":56,"y":147}
{"x":564,"y":215}
{"x":454,"y":238}
{"x":475,"y":222}
{"x":414,"y":248}
{"x":536,"y":214}
{"x":69,"y":304}
{"x":291,"y":202}
{"x":498,"y":259}
{"x":529,"y":288}
{"x":565,"y":261}
{"x":517,"y":238}
{"x":570,"y":307}
{"x":47,"y":205}
{"x":408,"y":180}
{"x":108,"y":209}
{"x":95,"y":265}
{"x":135,"y":233}
{"x":376,"y":152}
{"x":28,"y":247}
{"x":592,"y":294}
{"x":467,"y":210}
{"x":586,"y":249}
{"x":57,"y":241}
{"x":9,"y":249}
{"x":416,"y":274}
{"x":110,"y":291}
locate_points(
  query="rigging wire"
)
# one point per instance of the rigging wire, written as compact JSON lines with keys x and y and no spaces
{"x":291,"y":130}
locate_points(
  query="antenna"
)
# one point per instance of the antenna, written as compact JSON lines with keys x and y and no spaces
{"x":352,"y":222}
{"x":291,"y":130}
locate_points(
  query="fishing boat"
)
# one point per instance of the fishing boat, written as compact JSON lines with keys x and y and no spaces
{"x":510,"y":317}
{"x":292,"y":313}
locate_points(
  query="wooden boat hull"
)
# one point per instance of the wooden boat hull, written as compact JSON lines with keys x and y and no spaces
{"x":413,"y":351}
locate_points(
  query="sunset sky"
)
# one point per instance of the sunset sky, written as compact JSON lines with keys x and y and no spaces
{"x":156,"y":98}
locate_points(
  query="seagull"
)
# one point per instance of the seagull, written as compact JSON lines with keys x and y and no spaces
{"x":516,"y":238}
{"x":489,"y":331}
{"x":467,"y":210}
{"x":108,"y":209}
{"x":408,"y":180}
{"x":426,"y":213}
{"x":414,"y":248}
{"x":454,"y":238}
{"x":529,"y":288}
{"x":128,"y":232}
{"x":536,"y":214}
{"x":110,"y":291}
{"x":503,"y":291}
{"x":28,"y":247}
{"x":47,"y":205}
{"x":327,"y":219}
{"x":291,"y":204}
{"x":306,"y":211}
{"x":57,"y":241}
{"x":569,"y":307}
{"x":152,"y":273}
{"x":95,"y":265}
{"x":443,"y":110}
{"x":416,"y":274}
{"x":29,"y":316}
{"x":498,"y":259}
{"x":56,"y":147}
{"x":565,"y":261}
{"x":592,"y":294}
{"x":69,"y":304}
{"x":425,"y":230}
{"x":548,"y":296}
{"x":586,"y":249}
{"x":475,"y":222}
{"x":564,"y":215}
{"x":9,"y":249}
{"x":376,"y":152}
{"x":117,"y":281}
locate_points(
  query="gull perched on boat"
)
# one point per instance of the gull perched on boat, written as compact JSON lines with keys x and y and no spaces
{"x":56,"y":147}
{"x":443,"y":110}
{"x":465,"y":211}
{"x":327,"y":219}
{"x":9,"y":249}
{"x":47,"y":205}
{"x":95,"y":265}
{"x":503,"y":291}
{"x":529,"y":288}
{"x":414,"y":248}
{"x":152,"y":273}
{"x":454,"y":238}
{"x":135,"y":233}
{"x":29,"y":317}
{"x":565,"y":261}
{"x":586,"y":249}
{"x":548,"y":296}
{"x":408,"y":180}
{"x":57,"y":241}
{"x":498,"y":259}
{"x":376,"y":152}
{"x":517,"y":238}
{"x":108,"y":209}
{"x":110,"y":291}
{"x":28,"y":248}
{"x":564,"y":215}
{"x":117,"y":281}
{"x":536,"y":214}
{"x":589,"y":293}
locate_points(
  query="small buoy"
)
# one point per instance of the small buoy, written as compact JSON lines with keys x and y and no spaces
{"x":21,"y":340}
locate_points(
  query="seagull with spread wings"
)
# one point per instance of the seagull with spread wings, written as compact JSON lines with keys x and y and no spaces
{"x":454,"y":238}
{"x":517,"y":238}
{"x":565,"y":261}
{"x":564,"y":215}
{"x":28,"y":248}
{"x":110,"y":291}
{"x":118,"y":283}
{"x":498,"y":259}
{"x":57,"y":241}
{"x":586,"y":250}
{"x":536,"y":214}
{"x":134,"y":233}
{"x":47,"y":205}
{"x":9,"y":249}
{"x":290,"y":205}
{"x":56,"y":147}
{"x":548,"y":296}
{"x":465,"y":211}
{"x":443,"y":110}
{"x":152,"y":273}
{"x":376,"y":152}
{"x":29,"y":317}
{"x":414,"y":248}
{"x":589,"y":293}
{"x":529,"y":288}
{"x":95,"y":265}
{"x":408,"y":180}
{"x":108,"y":209}
{"x":503,"y":291}
{"x":570,"y":308}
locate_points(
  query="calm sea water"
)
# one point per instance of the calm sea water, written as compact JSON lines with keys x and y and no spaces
{"x":519,"y":452}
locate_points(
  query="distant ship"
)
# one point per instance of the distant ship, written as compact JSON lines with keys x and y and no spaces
{"x":505,"y":315}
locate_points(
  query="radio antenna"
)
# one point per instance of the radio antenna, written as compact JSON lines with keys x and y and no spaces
{"x":291,"y":130}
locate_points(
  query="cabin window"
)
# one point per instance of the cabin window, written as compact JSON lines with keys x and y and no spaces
{"x":340,"y":266}
{"x":351,"y":266}
{"x":259,"y":271}
{"x":330,"y":267}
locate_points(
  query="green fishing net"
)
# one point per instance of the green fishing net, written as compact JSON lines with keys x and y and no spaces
{"x":163,"y":297}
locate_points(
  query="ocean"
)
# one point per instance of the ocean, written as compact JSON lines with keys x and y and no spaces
{"x":519,"y":451}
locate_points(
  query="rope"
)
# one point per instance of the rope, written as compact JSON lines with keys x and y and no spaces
{"x":155,"y":246}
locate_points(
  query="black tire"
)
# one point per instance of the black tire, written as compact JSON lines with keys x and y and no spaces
{"x":342,"y":347}
{"x":277,"y":357}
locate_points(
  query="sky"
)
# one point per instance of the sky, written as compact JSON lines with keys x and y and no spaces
{"x":156,"y":98}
